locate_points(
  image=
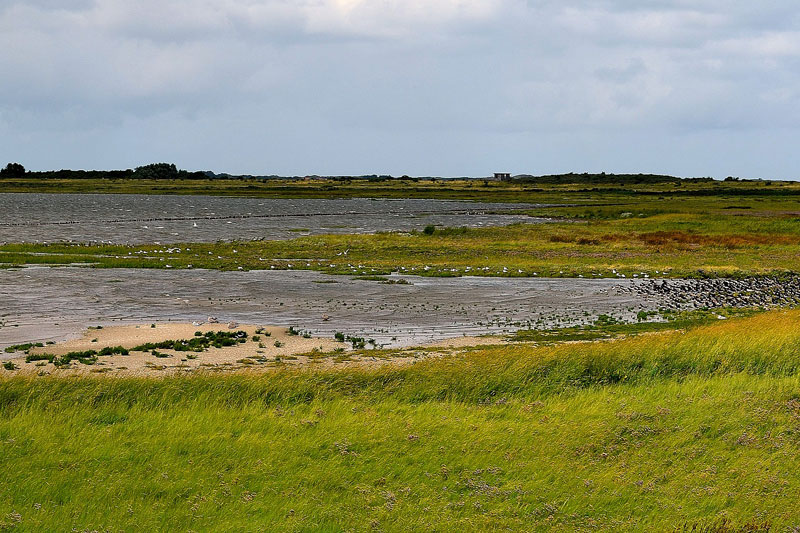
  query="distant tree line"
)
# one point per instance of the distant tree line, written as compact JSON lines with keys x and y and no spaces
{"x":155,"y":171}
{"x":168,"y":171}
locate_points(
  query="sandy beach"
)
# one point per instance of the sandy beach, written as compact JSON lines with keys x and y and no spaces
{"x":265,"y":348}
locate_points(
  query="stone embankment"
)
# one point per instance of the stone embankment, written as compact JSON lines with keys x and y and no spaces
{"x":720,"y":292}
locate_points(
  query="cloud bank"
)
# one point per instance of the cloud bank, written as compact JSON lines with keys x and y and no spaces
{"x":446,"y":87}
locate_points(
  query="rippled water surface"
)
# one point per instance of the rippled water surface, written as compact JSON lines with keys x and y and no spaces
{"x":140,"y":219}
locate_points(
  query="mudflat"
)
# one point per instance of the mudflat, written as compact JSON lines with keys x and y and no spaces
{"x":54,"y":304}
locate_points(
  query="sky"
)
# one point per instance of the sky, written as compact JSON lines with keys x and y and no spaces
{"x":438,"y":87}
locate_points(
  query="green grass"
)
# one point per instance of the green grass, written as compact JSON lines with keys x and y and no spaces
{"x":655,"y":432}
{"x":576,"y":192}
{"x":670,"y":245}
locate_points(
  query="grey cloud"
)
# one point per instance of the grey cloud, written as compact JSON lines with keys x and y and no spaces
{"x":390,"y":86}
{"x":622,"y":74}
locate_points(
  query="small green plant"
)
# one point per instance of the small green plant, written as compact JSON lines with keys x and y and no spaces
{"x":256,"y":338}
{"x":9,"y":365}
{"x":23,"y":347}
{"x":291,"y":331}
{"x":339,"y":336}
{"x":113,"y":350}
{"x":372,"y":278}
{"x":278,"y":344}
{"x":606,"y":320}
{"x":430,"y":229}
{"x":357,"y":342}
{"x":39,"y":357}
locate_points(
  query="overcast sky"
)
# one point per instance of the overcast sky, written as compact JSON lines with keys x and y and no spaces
{"x":438,"y":87}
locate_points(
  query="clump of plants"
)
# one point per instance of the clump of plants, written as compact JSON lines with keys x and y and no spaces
{"x":357,"y":342}
{"x":217,"y":339}
{"x":23,"y":347}
{"x":30,"y":358}
{"x":113,"y":350}
{"x":86,"y":357}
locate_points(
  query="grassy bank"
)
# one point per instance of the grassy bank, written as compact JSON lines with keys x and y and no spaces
{"x":656,"y":432}
{"x":577,"y":188}
{"x":675,"y":244}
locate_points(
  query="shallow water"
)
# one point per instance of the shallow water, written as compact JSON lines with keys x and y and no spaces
{"x":41,"y":303}
{"x":141,"y":219}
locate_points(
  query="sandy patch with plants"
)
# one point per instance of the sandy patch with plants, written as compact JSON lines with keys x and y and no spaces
{"x":257,"y":348}
{"x":262,"y":346}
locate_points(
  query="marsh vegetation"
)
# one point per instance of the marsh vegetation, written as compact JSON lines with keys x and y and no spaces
{"x":679,"y":418}
{"x":674,"y":429}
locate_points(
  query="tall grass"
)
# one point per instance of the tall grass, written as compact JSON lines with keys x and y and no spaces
{"x":663,"y":431}
{"x":765,"y":344}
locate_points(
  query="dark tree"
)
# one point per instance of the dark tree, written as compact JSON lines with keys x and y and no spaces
{"x":12,"y":170}
{"x":158,"y":171}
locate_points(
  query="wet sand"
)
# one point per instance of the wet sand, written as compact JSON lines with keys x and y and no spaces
{"x":53,"y":304}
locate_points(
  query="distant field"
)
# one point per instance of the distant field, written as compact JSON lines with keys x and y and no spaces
{"x":660,"y":432}
{"x":496,"y":191}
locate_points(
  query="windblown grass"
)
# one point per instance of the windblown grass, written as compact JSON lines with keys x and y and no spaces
{"x":650,"y":433}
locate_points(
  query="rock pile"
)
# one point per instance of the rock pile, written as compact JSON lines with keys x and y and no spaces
{"x":721,"y":292}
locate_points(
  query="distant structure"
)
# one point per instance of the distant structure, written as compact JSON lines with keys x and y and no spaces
{"x":502,"y":176}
